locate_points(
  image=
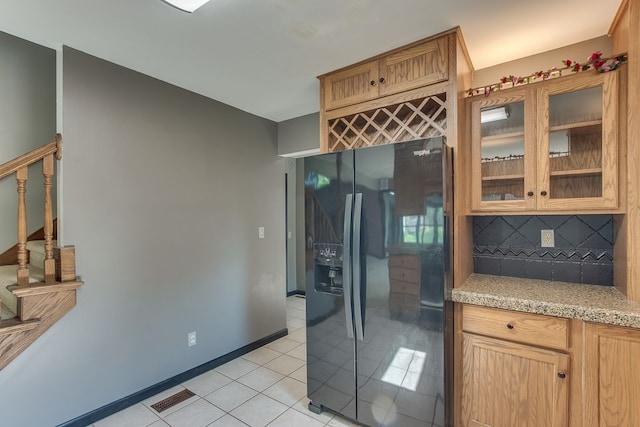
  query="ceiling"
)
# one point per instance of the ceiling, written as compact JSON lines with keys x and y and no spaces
{"x":263,"y":56}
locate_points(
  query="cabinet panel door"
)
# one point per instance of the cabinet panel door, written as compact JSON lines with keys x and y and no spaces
{"x":506,"y":384}
{"x":612,"y":376}
{"x":414,"y":67}
{"x":503,"y":152}
{"x":351,"y":86}
{"x":578,"y":143}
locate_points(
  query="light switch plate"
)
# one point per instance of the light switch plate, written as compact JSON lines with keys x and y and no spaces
{"x":547,"y":239}
{"x":261,"y":232}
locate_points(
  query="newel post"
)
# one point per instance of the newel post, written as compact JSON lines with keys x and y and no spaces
{"x":49,"y":262}
{"x":23,"y":271}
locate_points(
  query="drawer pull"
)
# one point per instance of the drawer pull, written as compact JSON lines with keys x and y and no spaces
{"x":562,"y":375}
{"x":510,"y":325}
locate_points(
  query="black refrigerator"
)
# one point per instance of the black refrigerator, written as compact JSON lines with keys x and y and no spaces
{"x":379,"y":323}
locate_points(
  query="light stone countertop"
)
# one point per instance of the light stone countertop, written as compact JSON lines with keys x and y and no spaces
{"x":592,"y":303}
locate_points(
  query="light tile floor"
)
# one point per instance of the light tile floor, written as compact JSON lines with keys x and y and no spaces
{"x":266,"y":387}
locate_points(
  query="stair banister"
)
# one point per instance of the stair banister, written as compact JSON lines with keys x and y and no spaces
{"x":54,"y":147}
{"x":19,"y":166}
{"x":49,"y":262}
{"x":23,"y":271}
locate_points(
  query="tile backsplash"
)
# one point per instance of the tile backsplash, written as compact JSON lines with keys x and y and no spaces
{"x":510,"y":246}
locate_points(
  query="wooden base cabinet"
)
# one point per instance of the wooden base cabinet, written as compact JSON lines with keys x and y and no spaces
{"x":510,"y":377}
{"x":612,"y":376}
{"x":507,"y":384}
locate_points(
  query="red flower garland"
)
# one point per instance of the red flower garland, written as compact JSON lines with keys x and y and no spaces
{"x":595,"y":61}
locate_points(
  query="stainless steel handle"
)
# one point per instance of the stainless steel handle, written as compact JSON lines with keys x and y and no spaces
{"x":346,"y":264}
{"x":357,"y":279}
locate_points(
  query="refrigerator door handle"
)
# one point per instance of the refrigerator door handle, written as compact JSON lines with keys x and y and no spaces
{"x":346,"y":264}
{"x":357,"y":273}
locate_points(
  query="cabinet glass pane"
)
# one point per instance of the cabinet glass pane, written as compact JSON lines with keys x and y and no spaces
{"x":502,"y":152}
{"x":575,"y":144}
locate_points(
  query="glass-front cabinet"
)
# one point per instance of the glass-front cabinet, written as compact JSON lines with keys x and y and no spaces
{"x":547,"y":146}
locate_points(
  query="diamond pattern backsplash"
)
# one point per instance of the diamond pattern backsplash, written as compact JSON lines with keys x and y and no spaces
{"x":510,"y":246}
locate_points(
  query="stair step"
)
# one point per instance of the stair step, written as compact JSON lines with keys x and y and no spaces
{"x":36,"y":252}
{"x":8,"y":276}
{"x":12,"y":326}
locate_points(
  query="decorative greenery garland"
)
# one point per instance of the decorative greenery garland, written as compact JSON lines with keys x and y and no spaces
{"x":594,"y":61}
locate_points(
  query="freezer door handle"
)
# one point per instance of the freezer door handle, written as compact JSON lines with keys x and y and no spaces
{"x":346,"y":264}
{"x":357,"y":273}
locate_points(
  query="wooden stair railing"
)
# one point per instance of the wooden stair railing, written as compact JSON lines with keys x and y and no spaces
{"x":42,"y":304}
{"x":20,"y":166}
{"x":10,"y":256}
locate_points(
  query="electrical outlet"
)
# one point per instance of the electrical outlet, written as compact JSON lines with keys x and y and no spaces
{"x":191,"y":339}
{"x":547,"y":239}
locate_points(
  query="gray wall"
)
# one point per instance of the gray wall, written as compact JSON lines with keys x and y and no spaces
{"x":296,"y":138}
{"x":164,"y":191}
{"x":299,"y":135}
{"x":27,"y":120}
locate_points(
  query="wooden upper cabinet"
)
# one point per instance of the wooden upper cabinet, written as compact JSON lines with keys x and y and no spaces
{"x":556,"y":149}
{"x":398,"y":71}
{"x":578,"y":143}
{"x":351,"y":86}
{"x":416,"y":66}
{"x":503,"y":156}
{"x":405,"y":94}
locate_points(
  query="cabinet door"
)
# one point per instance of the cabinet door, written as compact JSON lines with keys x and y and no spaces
{"x":414,"y":67}
{"x":506,"y":384}
{"x":351,"y":86}
{"x":578,"y":143}
{"x":503,"y":152}
{"x":612,"y":376}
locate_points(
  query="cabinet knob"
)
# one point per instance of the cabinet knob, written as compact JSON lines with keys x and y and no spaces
{"x":381,"y":80}
{"x":562,"y":375}
{"x":530,"y":194}
{"x":510,"y":325}
{"x":543,"y":193}
{"x":372,"y":82}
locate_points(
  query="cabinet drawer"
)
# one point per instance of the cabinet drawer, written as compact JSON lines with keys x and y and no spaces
{"x":405,"y":287}
{"x":406,"y":261}
{"x":534,"y":329}
{"x":404,"y":274}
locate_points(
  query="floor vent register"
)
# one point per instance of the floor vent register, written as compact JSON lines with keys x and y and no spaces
{"x":173,"y":400}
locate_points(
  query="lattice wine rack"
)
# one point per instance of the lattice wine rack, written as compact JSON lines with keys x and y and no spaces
{"x":406,"y":121}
